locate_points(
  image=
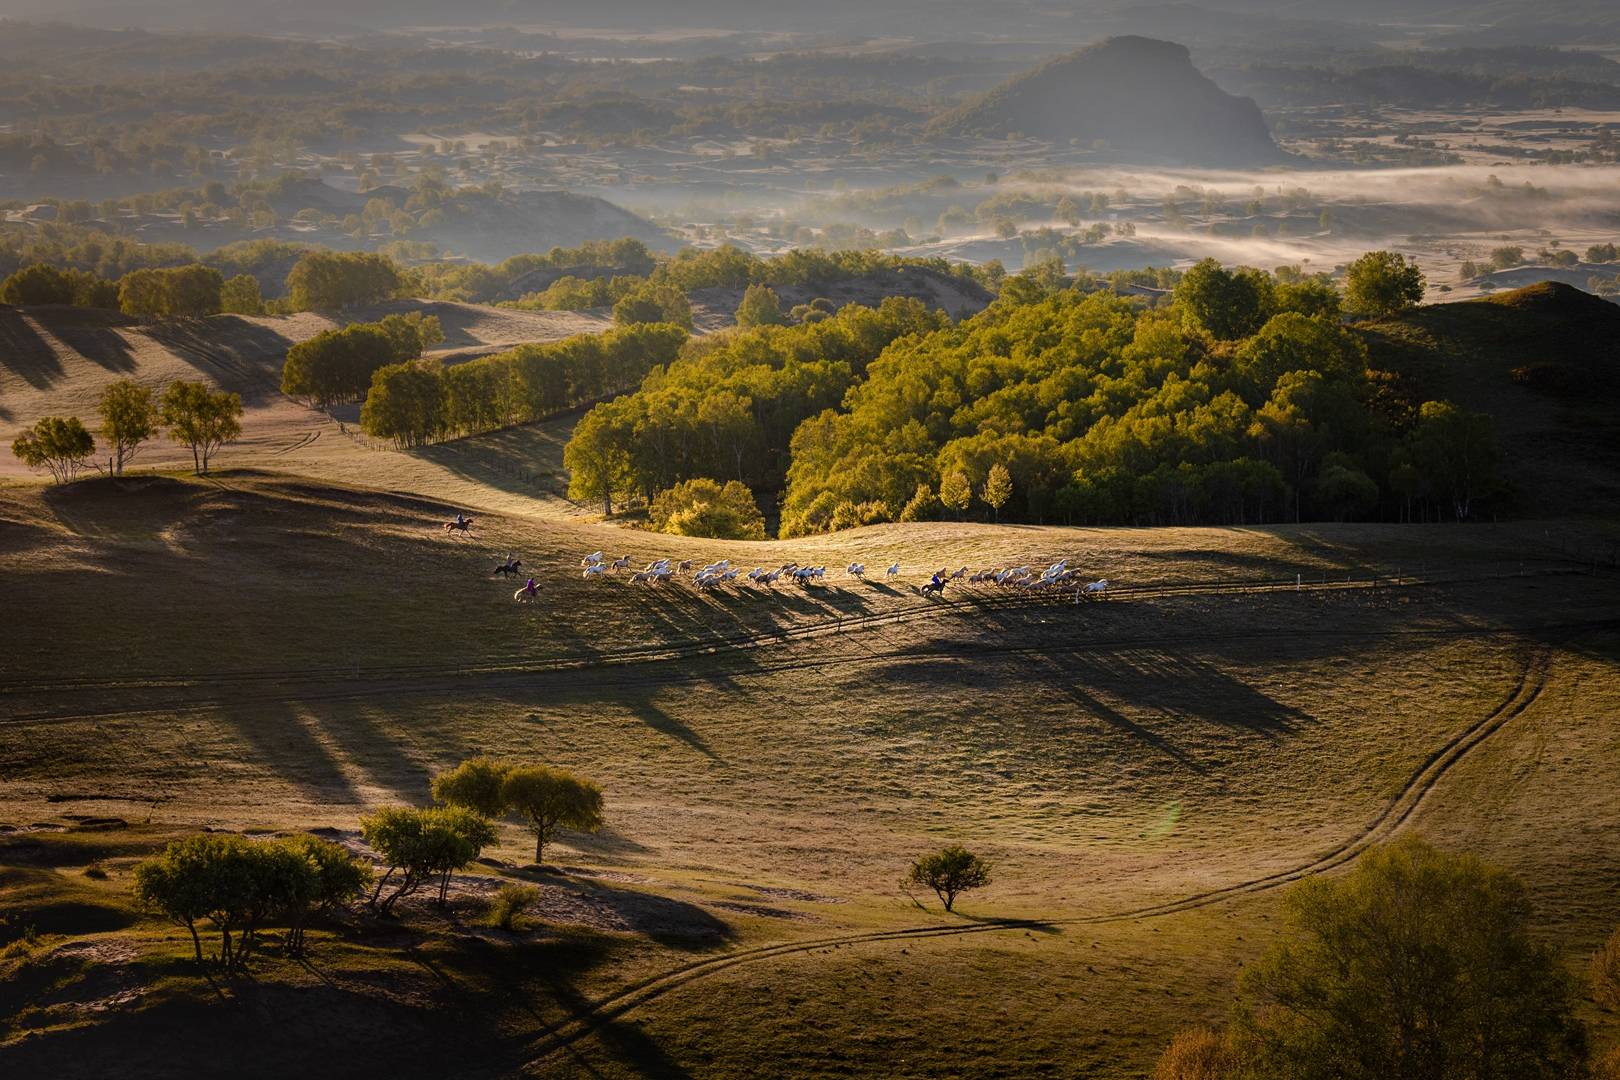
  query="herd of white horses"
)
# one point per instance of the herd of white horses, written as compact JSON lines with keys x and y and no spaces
{"x":1058,"y":576}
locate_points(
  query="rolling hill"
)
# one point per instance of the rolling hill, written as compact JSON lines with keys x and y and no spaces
{"x":1136,"y":95}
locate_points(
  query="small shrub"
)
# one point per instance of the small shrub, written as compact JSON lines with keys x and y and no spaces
{"x":509,"y":909}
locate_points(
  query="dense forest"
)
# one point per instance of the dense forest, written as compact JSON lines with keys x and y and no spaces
{"x":1244,"y":399}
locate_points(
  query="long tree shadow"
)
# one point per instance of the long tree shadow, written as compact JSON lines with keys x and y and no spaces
{"x":101,"y":345}
{"x":277,"y":736}
{"x":666,"y":724}
{"x":25,"y":354}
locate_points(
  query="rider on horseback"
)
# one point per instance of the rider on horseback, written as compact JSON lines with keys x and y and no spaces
{"x":461,"y":522}
{"x":530,"y":589}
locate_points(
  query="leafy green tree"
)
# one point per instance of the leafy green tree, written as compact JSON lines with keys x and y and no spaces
{"x":654,"y":304}
{"x":418,"y":845}
{"x":1228,"y":304}
{"x":474,"y":784}
{"x":129,"y":417}
{"x":335,"y":880}
{"x":950,"y":872}
{"x":332,"y":281}
{"x":240,"y":296}
{"x":956,"y":492}
{"x":220,"y":877}
{"x":922,"y":506}
{"x":40,"y":283}
{"x":1418,"y":964}
{"x":58,"y":443}
{"x":405,"y":404}
{"x":550,"y":799}
{"x":760,"y":307}
{"x":181,"y":292}
{"x":1456,"y":452}
{"x":1382,"y":283}
{"x":704,"y":507}
{"x":997,"y":488}
{"x":201,"y":419}
{"x":598,"y":455}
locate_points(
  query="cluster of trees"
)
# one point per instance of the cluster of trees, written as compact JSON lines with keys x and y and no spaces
{"x":1247,"y":399}
{"x":195,"y":416}
{"x":334,"y":280}
{"x":726,"y":408}
{"x":179,"y":292}
{"x":337,"y":365}
{"x":1418,"y":963}
{"x":704,"y":507}
{"x":416,"y":403}
{"x":241,"y":887}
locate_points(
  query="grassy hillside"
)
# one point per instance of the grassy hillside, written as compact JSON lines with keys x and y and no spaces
{"x":263,"y":653}
{"x":1545,"y":362}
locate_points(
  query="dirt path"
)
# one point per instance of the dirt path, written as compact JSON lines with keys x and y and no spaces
{"x":1395,"y":814}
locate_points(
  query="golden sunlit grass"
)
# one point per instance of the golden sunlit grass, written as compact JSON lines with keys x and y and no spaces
{"x":256,"y":652}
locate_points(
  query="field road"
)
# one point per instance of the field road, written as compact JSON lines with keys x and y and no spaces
{"x":1385,"y":824}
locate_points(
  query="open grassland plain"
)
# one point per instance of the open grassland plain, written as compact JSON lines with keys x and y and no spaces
{"x":264,"y":653}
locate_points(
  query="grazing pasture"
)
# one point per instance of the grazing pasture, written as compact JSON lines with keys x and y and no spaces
{"x":1241,"y":707}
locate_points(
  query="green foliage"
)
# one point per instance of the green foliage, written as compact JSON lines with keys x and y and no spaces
{"x":474,"y":784}
{"x":923,"y":505}
{"x":239,"y":886}
{"x":129,"y":416}
{"x":338,"y":365}
{"x":58,"y":443}
{"x":417,"y":845}
{"x":240,"y":296}
{"x":405,"y":403}
{"x":1456,"y":451}
{"x":550,"y":799}
{"x":1381,"y":283}
{"x":45,"y":284}
{"x":181,"y":292}
{"x":202,"y":419}
{"x":998,"y":488}
{"x":760,"y":306}
{"x":332,"y":281}
{"x":1204,"y":1054}
{"x":652,"y":303}
{"x":704,"y":507}
{"x":956,"y":491}
{"x":509,"y":909}
{"x":950,"y":872}
{"x":1417,"y":964}
{"x":1227,"y":304}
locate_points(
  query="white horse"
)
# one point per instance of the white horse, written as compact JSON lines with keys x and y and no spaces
{"x":856,"y":569}
{"x":595,"y":570}
{"x":893,"y":571}
{"x":1096,"y":588}
{"x":524,"y":596}
{"x":592,"y":559}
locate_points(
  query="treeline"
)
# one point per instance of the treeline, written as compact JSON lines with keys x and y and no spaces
{"x":1245,"y":400}
{"x":691,"y":269}
{"x":729,"y":405}
{"x":417,"y":403}
{"x":337,"y":365}
{"x":192,"y":291}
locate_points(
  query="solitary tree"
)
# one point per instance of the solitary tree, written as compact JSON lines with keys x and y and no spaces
{"x":58,"y":443}
{"x":950,"y":872}
{"x":201,"y":419}
{"x":956,"y":492}
{"x":550,"y":799}
{"x":1417,"y":964}
{"x":1381,"y":283}
{"x":997,"y":489}
{"x":129,"y":416}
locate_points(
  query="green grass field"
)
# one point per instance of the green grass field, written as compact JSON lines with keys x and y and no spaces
{"x":263,"y":652}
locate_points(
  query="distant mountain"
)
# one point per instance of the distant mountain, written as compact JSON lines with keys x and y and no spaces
{"x":1136,"y":94}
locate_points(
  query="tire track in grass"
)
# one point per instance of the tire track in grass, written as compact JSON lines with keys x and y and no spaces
{"x":1400,"y":808}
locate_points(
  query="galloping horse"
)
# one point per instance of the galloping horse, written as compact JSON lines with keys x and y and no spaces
{"x":510,"y":568}
{"x":935,"y":587}
{"x":526,"y":594}
{"x":462,"y":525}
